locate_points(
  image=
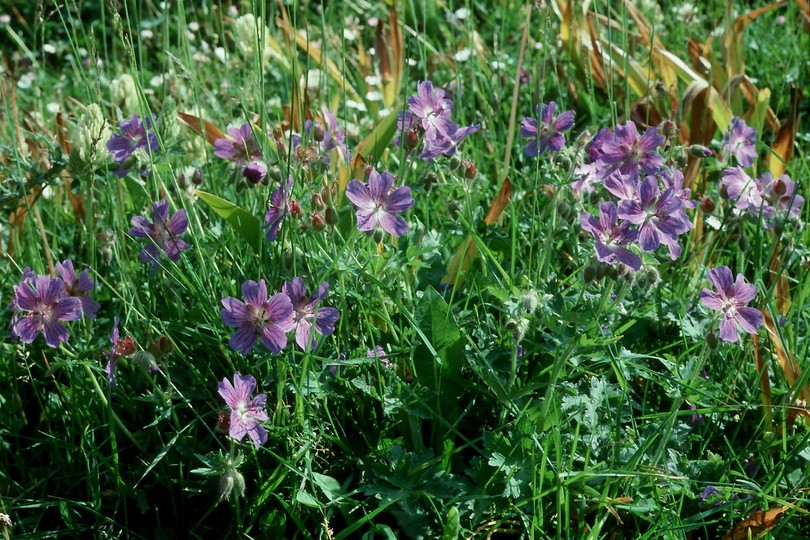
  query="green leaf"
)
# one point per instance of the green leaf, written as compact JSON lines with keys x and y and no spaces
{"x":452,"y":527}
{"x":330,"y":487}
{"x":375,"y":142}
{"x":245,"y":223}
{"x":307,"y":500}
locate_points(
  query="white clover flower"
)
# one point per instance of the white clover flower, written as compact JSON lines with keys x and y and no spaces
{"x":247,"y":37}
{"x":124,"y":93}
{"x":89,"y":140}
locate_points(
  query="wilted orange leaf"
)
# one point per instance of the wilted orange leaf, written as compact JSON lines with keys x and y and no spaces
{"x":760,"y":521}
{"x":201,"y":127}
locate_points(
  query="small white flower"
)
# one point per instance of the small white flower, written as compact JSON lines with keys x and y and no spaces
{"x":26,"y":81}
{"x":374,"y":96}
{"x":147,"y":33}
{"x":157,"y":80}
{"x":463,"y":55}
{"x":357,"y":105}
{"x":349,"y":34}
{"x":462,"y":13}
{"x":48,"y":48}
{"x":53,"y":107}
{"x":194,"y":26}
{"x":221,"y":55}
{"x":373,"y":80}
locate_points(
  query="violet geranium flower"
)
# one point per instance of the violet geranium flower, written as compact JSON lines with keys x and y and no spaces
{"x":47,"y":306}
{"x":277,"y":208}
{"x":239,"y":147}
{"x":611,"y":237}
{"x":134,"y":135}
{"x":307,"y":314}
{"x":78,"y":287}
{"x":628,"y":152}
{"x":377,"y":203}
{"x":246,"y":413}
{"x":742,"y":189}
{"x":740,"y":140}
{"x":780,"y":197}
{"x":379,"y":354}
{"x":549,"y":134}
{"x":731,"y":299}
{"x":259,"y":316}
{"x":163,"y":233}
{"x":660,"y":217}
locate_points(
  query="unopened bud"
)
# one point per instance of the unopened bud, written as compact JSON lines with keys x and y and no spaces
{"x":711,"y":340}
{"x":469,"y":170}
{"x":530,"y":300}
{"x":317,"y":134}
{"x":378,"y":236}
{"x":254,"y":172}
{"x":600,"y":270}
{"x":317,"y":202}
{"x":411,"y":139}
{"x":181,"y":181}
{"x":454,"y":208}
{"x":231,"y":481}
{"x":161,"y":346}
{"x":295,"y":208}
{"x":779,"y":187}
{"x":455,"y":162}
{"x":680,"y":161}
{"x":332,"y":217}
{"x":589,"y":273}
{"x":287,"y":259}
{"x":707,"y":205}
{"x":318,"y":221}
{"x":197,"y":178}
{"x":564,"y":210}
{"x":274,"y":173}
{"x":743,"y":243}
{"x":699,"y":151}
{"x":669,"y":129}
{"x":430,"y":179}
{"x":723,"y":191}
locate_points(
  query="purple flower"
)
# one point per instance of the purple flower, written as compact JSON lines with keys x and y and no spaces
{"x":380,"y":355}
{"x":306,"y":312}
{"x":741,"y":141}
{"x":709,"y":492}
{"x":622,"y":186}
{"x":780,"y":196}
{"x":659,"y":216}
{"x":163,"y":233}
{"x":550,"y":133}
{"x":627,"y":152}
{"x":255,"y":171}
{"x":731,"y":299}
{"x":246,"y":413}
{"x":269,"y":319}
{"x":78,"y":287}
{"x":673,"y":178}
{"x":742,"y":189}
{"x":429,"y":113}
{"x":326,"y":131}
{"x":239,"y":147}
{"x":277,"y":209}
{"x":376,"y":203}
{"x":47,"y":305}
{"x":134,"y":135}
{"x":611,"y":237}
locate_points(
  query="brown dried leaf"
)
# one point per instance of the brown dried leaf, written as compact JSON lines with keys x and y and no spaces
{"x":782,"y":148}
{"x":757,"y":522}
{"x":201,"y":127}
{"x":788,"y":364}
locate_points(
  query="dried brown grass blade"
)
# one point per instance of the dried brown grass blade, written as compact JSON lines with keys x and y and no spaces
{"x":733,"y":48}
{"x":787,"y":362}
{"x":63,"y":138}
{"x":782,"y":148}
{"x":201,"y":127}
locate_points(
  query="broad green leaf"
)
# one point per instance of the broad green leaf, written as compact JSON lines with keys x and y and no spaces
{"x":246,"y":224}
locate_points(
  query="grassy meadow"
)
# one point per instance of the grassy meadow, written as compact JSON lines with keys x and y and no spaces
{"x":423,"y":269}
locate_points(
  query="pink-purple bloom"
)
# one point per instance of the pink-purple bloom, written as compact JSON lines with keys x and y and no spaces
{"x":326,"y":131}
{"x":134,"y":135}
{"x":163,"y":233}
{"x":307,"y":314}
{"x":41,"y":305}
{"x":78,"y":287}
{"x":660,"y":217}
{"x":246,"y":413}
{"x":239,"y":147}
{"x":258,"y":317}
{"x":119,"y":348}
{"x":740,"y":141}
{"x":629,"y":153}
{"x":731,"y":299}
{"x":549,"y":134}
{"x":611,"y":236}
{"x":743,"y":189}
{"x":380,"y":355}
{"x":255,"y":171}
{"x":377,"y":204}
{"x":780,"y":196}
{"x":429,"y":114}
{"x":277,"y":208}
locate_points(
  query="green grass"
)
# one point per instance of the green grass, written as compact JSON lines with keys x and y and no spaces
{"x":576,"y":418}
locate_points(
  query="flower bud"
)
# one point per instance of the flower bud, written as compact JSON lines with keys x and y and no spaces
{"x":530,"y":300}
{"x":707,"y":205}
{"x":669,"y":129}
{"x":743,"y":243}
{"x":711,"y":340}
{"x":231,"y":481}
{"x":332,"y":217}
{"x":274,"y":173}
{"x":680,"y":161}
{"x":779,"y":187}
{"x":469,"y":170}
{"x":318,"y":221}
{"x":455,"y":162}
{"x":295,"y":208}
{"x":699,"y":151}
{"x":317,"y":134}
{"x":317,"y":202}
{"x":723,"y":192}
{"x":161,"y":346}
{"x":589,"y":273}
{"x":600,"y":270}
{"x":520,"y":328}
{"x":430,"y":179}
{"x":378,"y":236}
{"x":411,"y":139}
{"x":564,"y":210}
{"x":254,"y":172}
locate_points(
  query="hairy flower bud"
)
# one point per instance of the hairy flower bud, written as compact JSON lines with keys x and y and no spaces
{"x":231,"y":481}
{"x":332,"y":217}
{"x":530,"y":300}
{"x":707,"y":205}
{"x":699,"y":151}
{"x":318,"y":221}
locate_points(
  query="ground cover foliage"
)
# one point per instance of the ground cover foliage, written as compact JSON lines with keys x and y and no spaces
{"x":420,"y":269}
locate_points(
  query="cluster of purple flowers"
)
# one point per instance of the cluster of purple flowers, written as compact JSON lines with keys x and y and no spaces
{"x":549,"y":134}
{"x":770,"y":197}
{"x":271,"y":318}
{"x":135,"y":135}
{"x":377,"y":203}
{"x":427,"y":120}
{"x":650,"y":210}
{"x":163,"y":233}
{"x":42,"y":303}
